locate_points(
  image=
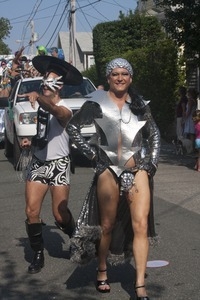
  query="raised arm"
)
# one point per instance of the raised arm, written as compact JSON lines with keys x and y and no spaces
{"x":62,"y":113}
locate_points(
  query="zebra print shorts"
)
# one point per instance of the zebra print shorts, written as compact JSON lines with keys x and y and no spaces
{"x":55,"y":172}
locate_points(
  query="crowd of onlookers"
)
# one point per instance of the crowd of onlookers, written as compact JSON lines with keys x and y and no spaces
{"x":21,"y":66}
{"x":188,"y":122}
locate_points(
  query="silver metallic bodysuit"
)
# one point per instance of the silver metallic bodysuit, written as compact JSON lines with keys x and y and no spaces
{"x":118,"y":133}
{"x":119,"y":136}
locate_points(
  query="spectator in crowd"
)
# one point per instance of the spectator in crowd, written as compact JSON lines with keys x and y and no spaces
{"x":15,"y":67}
{"x":57,"y":53}
{"x":25,"y":67}
{"x":5,"y":86}
{"x":3,"y":65}
{"x":116,"y":217}
{"x":54,"y":51}
{"x":50,"y":166}
{"x":33,"y":71}
{"x":100,"y":87}
{"x":189,"y":129}
{"x":41,"y":50}
{"x":196,"y":119}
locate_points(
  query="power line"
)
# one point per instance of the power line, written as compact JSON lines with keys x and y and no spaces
{"x":52,"y":17}
{"x":37,"y":19}
{"x":98,"y":11}
{"x":116,"y":4}
{"x":119,"y":4}
{"x":58,"y":23}
{"x":32,"y":14}
{"x":48,"y":26}
{"x":85,"y":16}
{"x":88,"y":14}
{"x":50,"y":20}
{"x":47,"y":8}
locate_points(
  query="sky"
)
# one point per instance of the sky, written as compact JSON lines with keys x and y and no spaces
{"x":45,"y":18}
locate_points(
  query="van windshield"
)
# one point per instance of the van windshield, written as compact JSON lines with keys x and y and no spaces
{"x":27,"y":87}
{"x":68,"y":91}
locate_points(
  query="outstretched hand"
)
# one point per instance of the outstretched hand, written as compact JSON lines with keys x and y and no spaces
{"x":32,"y":96}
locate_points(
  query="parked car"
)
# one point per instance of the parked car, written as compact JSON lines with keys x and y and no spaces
{"x":21,"y":118}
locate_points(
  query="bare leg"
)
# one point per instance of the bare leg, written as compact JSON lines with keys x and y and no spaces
{"x":63,"y":216}
{"x":108,"y":198}
{"x":34,"y":193}
{"x":139,"y":198}
{"x":60,"y":195}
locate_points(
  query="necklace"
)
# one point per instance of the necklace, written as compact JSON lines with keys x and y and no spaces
{"x":125,"y":120}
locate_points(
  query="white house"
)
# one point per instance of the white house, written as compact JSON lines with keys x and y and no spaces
{"x":84,"y":57}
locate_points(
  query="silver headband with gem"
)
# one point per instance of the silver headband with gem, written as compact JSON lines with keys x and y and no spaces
{"x":118,"y":63}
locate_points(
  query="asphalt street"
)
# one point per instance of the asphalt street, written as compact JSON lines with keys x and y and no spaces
{"x":177,"y":215}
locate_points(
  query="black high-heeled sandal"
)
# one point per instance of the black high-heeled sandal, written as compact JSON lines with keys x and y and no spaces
{"x":140,"y":298}
{"x":101,"y":283}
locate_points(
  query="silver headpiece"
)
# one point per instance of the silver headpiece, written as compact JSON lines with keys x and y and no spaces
{"x":118,"y":63}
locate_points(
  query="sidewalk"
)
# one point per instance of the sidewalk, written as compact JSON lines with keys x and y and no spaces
{"x":177,"y":217}
{"x":176,"y":181}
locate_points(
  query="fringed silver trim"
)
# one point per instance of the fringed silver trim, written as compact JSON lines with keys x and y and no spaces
{"x":23,"y":163}
{"x":82,"y":244}
{"x":119,"y":259}
{"x":154,"y":241}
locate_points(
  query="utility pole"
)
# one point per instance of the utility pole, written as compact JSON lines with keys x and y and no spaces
{"x":72,"y":33}
{"x":34,"y":37}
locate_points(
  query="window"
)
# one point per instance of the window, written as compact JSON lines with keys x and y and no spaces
{"x":76,"y":91}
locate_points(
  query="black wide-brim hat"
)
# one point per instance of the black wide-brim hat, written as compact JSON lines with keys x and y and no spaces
{"x":46,"y":63}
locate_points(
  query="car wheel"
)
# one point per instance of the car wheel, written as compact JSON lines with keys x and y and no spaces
{"x":8,"y":147}
{"x":16,"y":154}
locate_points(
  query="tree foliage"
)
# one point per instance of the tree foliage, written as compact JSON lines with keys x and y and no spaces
{"x":143,"y":43}
{"x":117,"y":37}
{"x":91,"y":73}
{"x":4,"y":32}
{"x":182,"y":22}
{"x":156,"y":77}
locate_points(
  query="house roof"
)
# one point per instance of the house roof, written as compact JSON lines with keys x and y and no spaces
{"x":83,"y":39}
{"x":84,"y":46}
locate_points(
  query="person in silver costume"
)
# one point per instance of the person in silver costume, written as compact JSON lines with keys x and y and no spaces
{"x":116,"y":218}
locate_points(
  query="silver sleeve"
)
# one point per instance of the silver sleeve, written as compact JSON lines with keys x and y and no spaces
{"x":153,"y":136}
{"x":85,"y":116}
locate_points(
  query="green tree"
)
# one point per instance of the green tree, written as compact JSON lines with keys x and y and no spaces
{"x":4,"y":32}
{"x":182,"y":22}
{"x":155,"y":77}
{"x":91,"y":73}
{"x":117,"y":37}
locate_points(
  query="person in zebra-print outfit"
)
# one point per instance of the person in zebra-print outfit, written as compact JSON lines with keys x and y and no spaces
{"x":50,"y":165}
